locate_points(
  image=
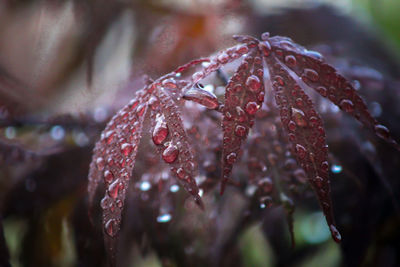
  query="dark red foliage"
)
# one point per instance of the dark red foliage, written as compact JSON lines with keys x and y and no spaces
{"x":292,"y":126}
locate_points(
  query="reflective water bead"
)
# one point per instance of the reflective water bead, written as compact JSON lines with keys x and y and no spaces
{"x":290,"y":60}
{"x":170,"y":153}
{"x":160,"y":132}
{"x":100,"y":163}
{"x":240,"y":130}
{"x":301,"y":151}
{"x":114,"y":189}
{"x":311,"y":74}
{"x":382,"y":131}
{"x":111,"y":227}
{"x":108,"y":176}
{"x":231,"y":158}
{"x":126,"y":149}
{"x":347,"y":105}
{"x":299,"y":117}
{"x":251,"y":108}
{"x":335,"y":233}
{"x":201,"y":96}
{"x":253,"y":83}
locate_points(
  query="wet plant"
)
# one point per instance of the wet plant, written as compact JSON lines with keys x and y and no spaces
{"x":270,"y":128}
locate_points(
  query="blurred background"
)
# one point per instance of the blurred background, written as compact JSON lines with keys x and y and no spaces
{"x":67,"y":66}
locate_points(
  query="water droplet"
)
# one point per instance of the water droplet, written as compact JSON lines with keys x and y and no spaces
{"x":314,"y":54}
{"x":145,"y":186}
{"x":335,"y":233}
{"x":240,"y":130}
{"x":105,"y":202}
{"x":108,"y":176}
{"x":311,"y":74}
{"x":325,"y":166}
{"x":336,"y":168}
{"x":266,"y":184}
{"x":265,"y":48}
{"x":242,"y":49}
{"x":164,"y":218}
{"x":223,"y":58}
{"x":382,"y":131}
{"x":292,"y":126}
{"x":109,"y":135}
{"x":114,"y":189}
{"x":231,"y":158}
{"x":170,"y":153}
{"x":265,"y":36}
{"x":251,"y":108}
{"x":253,"y":83}
{"x":100,"y":163}
{"x":318,"y":181}
{"x":290,"y":60}
{"x":299,"y":117}
{"x":301,"y":151}
{"x":347,"y":105}
{"x":202,"y":96}
{"x":174,"y":188}
{"x":160,"y":132}
{"x":110,"y":227}
{"x":57,"y":132}
{"x":126,"y":149}
{"x":169,"y":83}
{"x":181,"y":173}
{"x":197,"y":76}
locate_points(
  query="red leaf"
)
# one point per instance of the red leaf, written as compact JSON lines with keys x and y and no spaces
{"x":243,"y":97}
{"x":113,"y":160}
{"x":324,"y":79}
{"x":306,"y":133}
{"x":172,"y":142}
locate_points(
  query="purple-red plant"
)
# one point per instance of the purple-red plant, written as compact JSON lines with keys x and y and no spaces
{"x":288,"y":138}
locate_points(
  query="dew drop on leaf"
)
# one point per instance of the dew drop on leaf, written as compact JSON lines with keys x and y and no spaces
{"x":251,"y":108}
{"x":347,"y":105}
{"x":126,"y":149}
{"x":201,"y":96}
{"x":100,"y":163}
{"x":301,"y":151}
{"x":311,"y":74}
{"x":105,"y":202}
{"x":335,"y":233}
{"x":382,"y":131}
{"x":114,"y":189}
{"x":160,"y":132}
{"x":231,"y":158}
{"x":290,"y":60}
{"x":253,"y":83}
{"x":314,"y":54}
{"x":108,"y":176}
{"x":299,"y":117}
{"x":240,"y":130}
{"x":110,"y":227}
{"x":170,"y":153}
